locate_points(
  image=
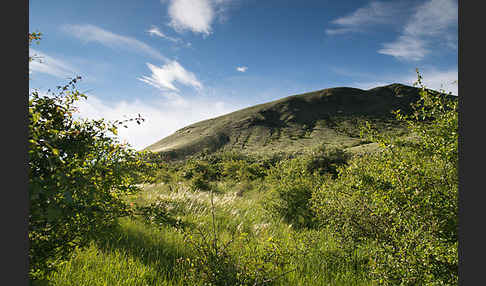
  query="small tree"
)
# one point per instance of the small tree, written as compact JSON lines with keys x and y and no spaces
{"x":79,"y":175}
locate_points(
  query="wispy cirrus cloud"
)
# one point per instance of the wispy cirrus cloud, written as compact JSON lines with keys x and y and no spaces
{"x":376,"y":12}
{"x":427,"y":25}
{"x":406,"y":47}
{"x":92,"y":33}
{"x":155,"y":31}
{"x":242,"y":69}
{"x":196,"y":15}
{"x":433,"y":23}
{"x":165,"y":77}
{"x":44,"y":63}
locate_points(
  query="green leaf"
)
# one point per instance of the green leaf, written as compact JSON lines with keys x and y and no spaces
{"x":53,"y":214}
{"x":114,"y":130}
{"x":68,"y":197}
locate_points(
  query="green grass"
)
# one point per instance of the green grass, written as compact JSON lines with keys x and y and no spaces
{"x":134,"y":254}
{"x":137,"y":253}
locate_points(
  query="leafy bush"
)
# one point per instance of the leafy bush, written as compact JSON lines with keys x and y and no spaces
{"x":327,"y":161}
{"x":208,"y":171}
{"x":199,"y":173}
{"x":79,"y":175}
{"x":291,"y":184}
{"x":404,"y":199}
{"x":204,"y":169}
{"x":242,"y":170}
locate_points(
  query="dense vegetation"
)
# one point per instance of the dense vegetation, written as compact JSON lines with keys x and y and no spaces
{"x":323,"y":217}
{"x":403,"y":200}
{"x":79,"y":177}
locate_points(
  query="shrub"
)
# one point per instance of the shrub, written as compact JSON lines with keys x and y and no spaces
{"x":79,"y":175}
{"x":327,"y":161}
{"x":242,"y":170}
{"x":200,"y":173}
{"x":291,"y":184}
{"x":207,"y":171}
{"x":404,"y":199}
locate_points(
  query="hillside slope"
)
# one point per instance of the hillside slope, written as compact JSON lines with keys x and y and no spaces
{"x":294,"y":123}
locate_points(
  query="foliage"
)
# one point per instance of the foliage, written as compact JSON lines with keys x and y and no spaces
{"x":79,"y":175}
{"x":194,"y":168}
{"x":151,"y":250}
{"x":242,"y":170}
{"x":404,"y":199}
{"x":200,"y":173}
{"x":35,"y":36}
{"x":202,"y":170}
{"x":327,"y":160}
{"x":291,"y":184}
{"x":164,"y":174}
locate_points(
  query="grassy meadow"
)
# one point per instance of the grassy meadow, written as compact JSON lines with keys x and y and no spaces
{"x":164,"y":246}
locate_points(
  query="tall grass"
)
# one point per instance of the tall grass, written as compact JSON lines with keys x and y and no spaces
{"x":133,"y":254}
{"x":140,"y":253}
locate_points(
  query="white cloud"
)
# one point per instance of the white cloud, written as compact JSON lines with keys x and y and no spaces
{"x":91,"y":33}
{"x":162,"y":117}
{"x":432,"y":23}
{"x":406,"y":47}
{"x":196,"y":15}
{"x":165,"y":76}
{"x":433,"y":18}
{"x":370,"y":84}
{"x":162,"y":77}
{"x":155,"y":31}
{"x":242,"y":69}
{"x":338,"y":31}
{"x":44,"y":63}
{"x":375,"y":12}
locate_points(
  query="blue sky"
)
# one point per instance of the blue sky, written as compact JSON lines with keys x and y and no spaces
{"x":177,"y":62}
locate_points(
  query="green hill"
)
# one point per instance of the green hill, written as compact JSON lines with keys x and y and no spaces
{"x":295,"y":123}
